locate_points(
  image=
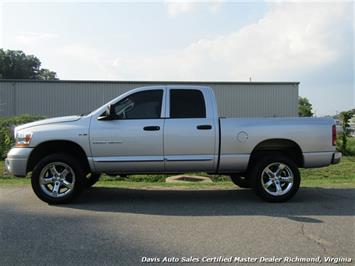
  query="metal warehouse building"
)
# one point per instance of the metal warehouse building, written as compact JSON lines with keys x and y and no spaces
{"x":65,"y":97}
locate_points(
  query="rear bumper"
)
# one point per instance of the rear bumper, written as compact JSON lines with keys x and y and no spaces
{"x":16,"y":161}
{"x":320,"y":159}
{"x":336,"y":157}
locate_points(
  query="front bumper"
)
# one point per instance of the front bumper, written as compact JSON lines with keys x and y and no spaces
{"x":16,"y":161}
{"x":336,"y":157}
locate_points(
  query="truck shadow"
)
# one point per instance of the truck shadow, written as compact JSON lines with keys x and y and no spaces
{"x":238,"y":202}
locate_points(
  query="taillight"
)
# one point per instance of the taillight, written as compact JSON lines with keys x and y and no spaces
{"x":334,"y":135}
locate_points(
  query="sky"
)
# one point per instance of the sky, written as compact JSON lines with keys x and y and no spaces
{"x":308,"y":42}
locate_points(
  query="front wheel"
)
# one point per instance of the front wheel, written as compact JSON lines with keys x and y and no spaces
{"x":275,"y":178}
{"x":58,"y":178}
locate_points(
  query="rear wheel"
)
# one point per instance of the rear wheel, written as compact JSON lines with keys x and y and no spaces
{"x":275,"y":178}
{"x":240,"y":181}
{"x":57,"y":178}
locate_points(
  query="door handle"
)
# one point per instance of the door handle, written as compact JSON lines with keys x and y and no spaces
{"x":151,"y":128}
{"x":204,"y":127}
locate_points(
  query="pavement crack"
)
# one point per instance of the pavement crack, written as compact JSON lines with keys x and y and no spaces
{"x":318,"y":242}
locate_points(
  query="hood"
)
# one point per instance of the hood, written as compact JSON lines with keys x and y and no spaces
{"x":49,"y":121}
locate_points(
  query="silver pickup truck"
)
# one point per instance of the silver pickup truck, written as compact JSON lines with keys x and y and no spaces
{"x":169,"y":129}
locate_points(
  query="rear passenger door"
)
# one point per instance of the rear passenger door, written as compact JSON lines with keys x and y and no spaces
{"x":189,"y":132}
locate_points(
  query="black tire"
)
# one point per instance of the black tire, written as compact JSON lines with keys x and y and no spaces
{"x":259,"y":178}
{"x":75,"y":176}
{"x":240,"y":181}
{"x":91,"y":179}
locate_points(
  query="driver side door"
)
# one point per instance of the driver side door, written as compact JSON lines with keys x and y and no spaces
{"x":131,"y":141}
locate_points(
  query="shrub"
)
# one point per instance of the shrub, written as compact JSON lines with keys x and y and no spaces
{"x":350,"y":147}
{"x":7,"y":125}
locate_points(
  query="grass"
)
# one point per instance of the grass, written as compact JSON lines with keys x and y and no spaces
{"x":341,"y":175}
{"x":338,"y":175}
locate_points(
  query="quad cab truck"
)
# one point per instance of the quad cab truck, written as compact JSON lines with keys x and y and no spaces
{"x":169,"y":129}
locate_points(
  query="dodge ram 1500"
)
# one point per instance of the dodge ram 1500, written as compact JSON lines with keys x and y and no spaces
{"x":169,"y":129}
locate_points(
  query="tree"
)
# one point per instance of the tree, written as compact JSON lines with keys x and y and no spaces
{"x":18,"y":65}
{"x":304,"y":107}
{"x":345,"y":119}
{"x":46,"y":74}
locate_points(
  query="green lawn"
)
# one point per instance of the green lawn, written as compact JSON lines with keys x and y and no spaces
{"x":337,"y":176}
{"x":342,"y":174}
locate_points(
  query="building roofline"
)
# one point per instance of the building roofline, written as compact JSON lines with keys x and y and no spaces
{"x":154,"y":82}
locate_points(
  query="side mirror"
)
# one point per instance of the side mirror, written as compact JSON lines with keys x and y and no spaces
{"x":108,"y":115}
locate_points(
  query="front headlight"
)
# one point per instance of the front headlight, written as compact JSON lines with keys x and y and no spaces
{"x":23,"y":139}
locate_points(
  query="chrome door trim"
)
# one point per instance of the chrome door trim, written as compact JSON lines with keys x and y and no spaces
{"x":128,"y":159}
{"x":187,"y":158}
{"x":106,"y":142}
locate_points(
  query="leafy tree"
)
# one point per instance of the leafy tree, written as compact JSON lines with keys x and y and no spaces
{"x":18,"y":65}
{"x":304,"y":107}
{"x":345,"y":119}
{"x":46,"y":74}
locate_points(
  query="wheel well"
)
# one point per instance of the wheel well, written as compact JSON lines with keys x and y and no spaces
{"x":57,"y":146}
{"x":286,"y":147}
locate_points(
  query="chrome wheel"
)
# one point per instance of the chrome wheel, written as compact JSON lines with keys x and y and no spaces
{"x":57,"y":179}
{"x":277,"y":179}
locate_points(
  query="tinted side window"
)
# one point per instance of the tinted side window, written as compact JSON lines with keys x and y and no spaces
{"x":140,"y":105}
{"x":187,"y":104}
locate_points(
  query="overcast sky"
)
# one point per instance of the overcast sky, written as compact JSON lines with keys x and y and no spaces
{"x":312,"y":43}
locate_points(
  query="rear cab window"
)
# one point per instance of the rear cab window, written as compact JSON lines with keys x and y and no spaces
{"x":187,"y":103}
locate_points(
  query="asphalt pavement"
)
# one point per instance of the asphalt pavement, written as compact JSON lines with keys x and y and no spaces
{"x":114,"y":226}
